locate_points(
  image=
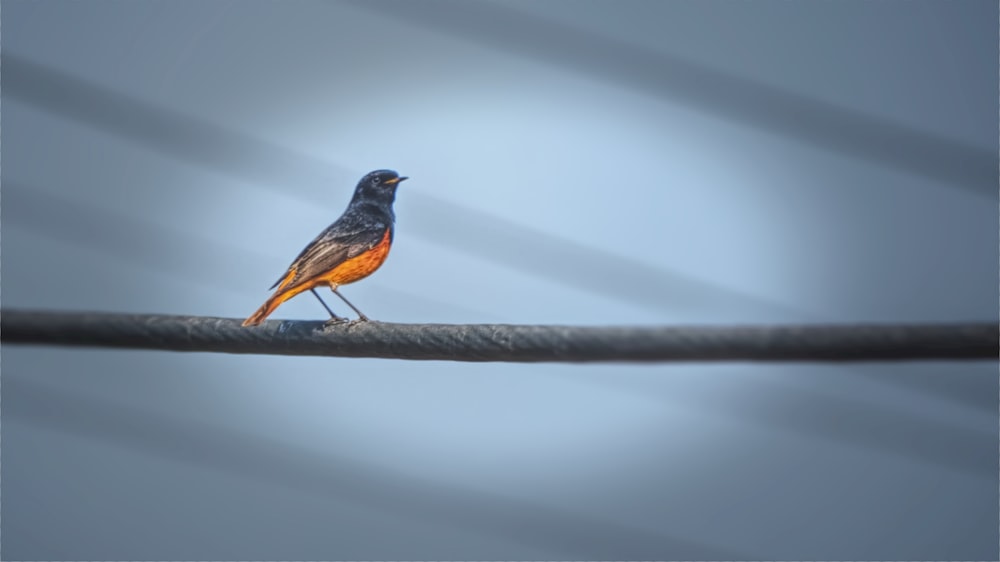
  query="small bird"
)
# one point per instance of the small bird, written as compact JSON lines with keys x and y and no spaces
{"x":350,"y":249}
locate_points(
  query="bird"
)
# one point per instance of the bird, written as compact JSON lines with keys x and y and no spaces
{"x":350,"y":249}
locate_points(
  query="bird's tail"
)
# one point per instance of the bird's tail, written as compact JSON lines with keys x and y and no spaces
{"x":269,"y":306}
{"x":263,"y":312}
{"x":283,"y":293}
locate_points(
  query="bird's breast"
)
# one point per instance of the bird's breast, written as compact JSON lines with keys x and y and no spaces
{"x":362,"y":265}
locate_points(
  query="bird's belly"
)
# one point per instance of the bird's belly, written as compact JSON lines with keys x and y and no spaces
{"x":360,"y":266}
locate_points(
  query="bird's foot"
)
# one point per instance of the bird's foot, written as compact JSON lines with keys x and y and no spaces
{"x":337,"y":320}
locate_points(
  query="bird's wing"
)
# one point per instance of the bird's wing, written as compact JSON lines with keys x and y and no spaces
{"x":335,"y":245}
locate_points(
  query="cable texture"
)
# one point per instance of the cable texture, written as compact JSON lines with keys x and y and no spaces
{"x":501,"y":342}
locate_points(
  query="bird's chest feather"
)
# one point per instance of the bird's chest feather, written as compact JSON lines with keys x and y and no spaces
{"x":362,"y":265}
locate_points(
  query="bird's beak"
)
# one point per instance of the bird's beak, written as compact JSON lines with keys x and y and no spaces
{"x":396,"y":180}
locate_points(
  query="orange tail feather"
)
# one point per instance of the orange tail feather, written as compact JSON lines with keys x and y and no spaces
{"x":262,"y":313}
{"x":269,"y":306}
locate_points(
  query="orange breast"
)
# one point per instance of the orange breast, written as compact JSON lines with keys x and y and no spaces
{"x":360,"y":266}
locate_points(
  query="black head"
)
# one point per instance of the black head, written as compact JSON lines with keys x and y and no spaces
{"x":378,"y":187}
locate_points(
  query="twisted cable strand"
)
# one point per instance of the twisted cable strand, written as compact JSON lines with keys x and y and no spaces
{"x":504,"y":342}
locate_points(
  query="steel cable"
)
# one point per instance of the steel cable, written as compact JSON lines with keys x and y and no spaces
{"x":506,"y":343}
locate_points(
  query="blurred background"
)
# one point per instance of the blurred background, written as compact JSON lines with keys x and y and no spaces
{"x":632,"y":162}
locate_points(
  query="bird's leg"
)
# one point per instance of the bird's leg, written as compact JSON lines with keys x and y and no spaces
{"x":361,"y":315}
{"x":334,"y":319}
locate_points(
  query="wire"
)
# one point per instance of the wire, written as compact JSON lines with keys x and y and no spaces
{"x":502,"y":342}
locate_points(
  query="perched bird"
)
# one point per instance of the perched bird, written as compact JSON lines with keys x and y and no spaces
{"x":350,"y":249}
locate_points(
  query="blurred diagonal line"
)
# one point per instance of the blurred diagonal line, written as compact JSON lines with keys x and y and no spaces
{"x":337,"y":478}
{"x":468,"y":230}
{"x":884,"y":429}
{"x":133,"y":241}
{"x":201,"y":261}
{"x":751,"y":102}
{"x":609,"y":275}
{"x":166,"y":130}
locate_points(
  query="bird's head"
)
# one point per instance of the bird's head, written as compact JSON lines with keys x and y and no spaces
{"x":378,"y":186}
